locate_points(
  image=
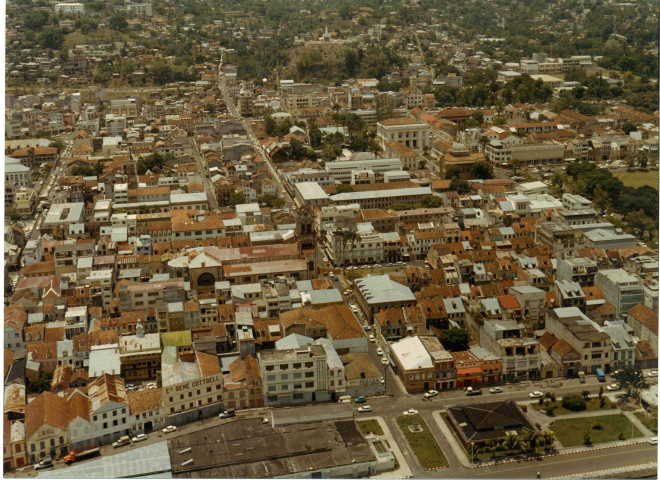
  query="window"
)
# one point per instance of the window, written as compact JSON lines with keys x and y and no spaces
{"x":171,"y":399}
{"x":114,"y":423}
{"x":105,"y":424}
{"x":52,"y":442}
{"x":297,"y":375}
{"x":271,"y":378}
{"x":105,"y":415}
{"x":272,"y":398}
{"x":309,"y":374}
{"x":285,"y":387}
{"x":208,"y":389}
{"x":42,"y":445}
{"x":309,"y":385}
{"x":284,"y":376}
{"x":114,"y":413}
{"x":298,"y":396}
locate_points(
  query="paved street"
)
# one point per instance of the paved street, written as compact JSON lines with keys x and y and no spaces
{"x":204,"y":174}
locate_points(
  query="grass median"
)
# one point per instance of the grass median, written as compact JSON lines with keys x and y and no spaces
{"x":649,"y":421}
{"x":426,"y":449}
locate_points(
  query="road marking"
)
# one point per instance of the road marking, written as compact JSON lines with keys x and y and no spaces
{"x":568,"y":460}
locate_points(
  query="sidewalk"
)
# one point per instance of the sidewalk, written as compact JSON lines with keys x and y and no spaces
{"x":451,"y":439}
{"x":404,"y":470}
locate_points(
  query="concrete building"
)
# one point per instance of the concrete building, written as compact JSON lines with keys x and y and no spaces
{"x":70,"y":8}
{"x":382,"y":198}
{"x":294,"y":375}
{"x":408,"y":131}
{"x":311,"y":194}
{"x":521,"y":356}
{"x":379,"y":292}
{"x":342,"y":170}
{"x":531,"y":301}
{"x":414,"y":365}
{"x":586,"y":337}
{"x":621,"y":289}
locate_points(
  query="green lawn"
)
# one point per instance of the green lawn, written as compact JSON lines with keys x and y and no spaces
{"x":638,"y":179}
{"x":649,"y":422}
{"x":426,"y":449}
{"x":370,"y":426}
{"x":570,"y":432}
{"x":593,"y":405}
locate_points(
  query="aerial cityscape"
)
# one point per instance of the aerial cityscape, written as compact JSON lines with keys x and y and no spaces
{"x":331,"y":239}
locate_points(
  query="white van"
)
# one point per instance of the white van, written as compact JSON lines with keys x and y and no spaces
{"x":345,"y":399}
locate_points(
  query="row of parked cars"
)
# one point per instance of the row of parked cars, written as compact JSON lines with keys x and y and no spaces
{"x":134,"y":388}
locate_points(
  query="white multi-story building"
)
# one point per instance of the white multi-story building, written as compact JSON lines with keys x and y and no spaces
{"x":621,"y":289}
{"x":139,"y":9}
{"x":115,"y":124}
{"x":70,"y":8}
{"x":408,"y":131}
{"x":521,"y":357}
{"x":342,"y":170}
{"x":109,"y":412}
{"x":295,"y":375}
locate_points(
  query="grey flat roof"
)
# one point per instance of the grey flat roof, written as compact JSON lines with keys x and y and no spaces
{"x":399,"y":192}
{"x":152,"y":460}
{"x":382,"y":289}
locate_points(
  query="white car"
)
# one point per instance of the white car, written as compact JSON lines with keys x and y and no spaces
{"x":354,"y":308}
{"x":536,"y":394}
{"x":364,"y":408}
{"x":612,"y":387}
{"x":430,"y":393}
{"x":139,"y":438}
{"x":169,"y":429}
{"x":496,"y":390}
{"x":151,"y":386}
{"x":378,"y":265}
{"x":379,"y":351}
{"x":372,"y":339}
{"x":653,"y":440}
{"x":400,"y":263}
{"x":411,"y":411}
{"x":384,"y":361}
{"x":652,"y":373}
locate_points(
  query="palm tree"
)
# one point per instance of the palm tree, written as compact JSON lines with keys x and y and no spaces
{"x":343,"y":237}
{"x":548,"y":440}
{"x":353,"y":238}
{"x":511,"y":442}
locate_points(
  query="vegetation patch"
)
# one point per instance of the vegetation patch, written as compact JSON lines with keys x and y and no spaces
{"x":593,"y":404}
{"x":426,"y":449}
{"x":370,"y":426}
{"x":649,"y":421}
{"x":572,"y":432}
{"x":639,"y":179}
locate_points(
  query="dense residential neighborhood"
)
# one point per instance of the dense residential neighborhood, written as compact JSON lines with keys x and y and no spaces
{"x":312,"y":273}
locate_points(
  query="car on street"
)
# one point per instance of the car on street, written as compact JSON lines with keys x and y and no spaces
{"x":348,"y":291}
{"x":365,"y":408}
{"x":379,"y":352}
{"x":653,"y":440}
{"x":354,"y":308}
{"x":131,"y":388}
{"x":536,"y":394}
{"x":140,"y":437}
{"x":390,"y":264}
{"x":470,"y":391}
{"x":612,"y":387}
{"x":331,"y":275}
{"x":378,"y":265}
{"x":430,"y":394}
{"x":496,"y":390}
{"x":45,"y":463}
{"x":367,"y":328}
{"x":372,"y":339}
{"x":652,"y":373}
{"x":411,"y":411}
{"x":151,"y":386}
{"x":399,"y":264}
{"x":384,"y":361}
{"x":360,"y":399}
{"x":228,"y":413}
{"x":170,"y":428}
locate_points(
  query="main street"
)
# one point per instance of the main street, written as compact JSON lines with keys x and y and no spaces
{"x":203,"y":170}
{"x":247,"y":126}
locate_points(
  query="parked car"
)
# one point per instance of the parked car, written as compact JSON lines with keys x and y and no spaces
{"x":169,"y":429}
{"x":385,"y":361}
{"x":354,"y":308}
{"x":536,"y":394}
{"x":47,"y":462}
{"x":652,"y":373}
{"x":228,"y":413}
{"x":265,"y":420}
{"x":612,"y":387}
{"x":348,"y":291}
{"x":365,"y":408}
{"x":470,"y":391}
{"x":399,"y":264}
{"x":653,"y":440}
{"x":125,"y":440}
{"x":379,"y":351}
{"x":372,"y":339}
{"x":367,"y":328}
{"x":390,"y":264}
{"x":430,"y":393}
{"x":140,"y":437}
{"x":131,"y":388}
{"x":360,"y":399}
{"x":378,"y":265}
{"x":411,"y":411}
{"x":151,"y":386}
{"x":496,"y":390}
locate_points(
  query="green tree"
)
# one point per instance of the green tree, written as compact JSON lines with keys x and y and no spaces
{"x":57,"y":143}
{"x":452,"y":171}
{"x":587,"y":439}
{"x":51,"y":37}
{"x":41,"y":384}
{"x":585,"y":395}
{"x":315,"y":135}
{"x":345,"y":188}
{"x":118,"y":22}
{"x":455,"y":339}
{"x":459,"y":186}
{"x":236,"y":198}
{"x":482,"y":170}
{"x":632,"y":380}
{"x":628,"y":127}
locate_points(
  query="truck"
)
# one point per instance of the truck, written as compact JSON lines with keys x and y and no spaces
{"x":73,"y":456}
{"x":125,"y":440}
{"x":600,"y":374}
{"x":472,"y":391}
